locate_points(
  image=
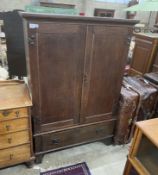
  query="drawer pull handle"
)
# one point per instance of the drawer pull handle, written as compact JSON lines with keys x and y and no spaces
{"x":99,"y":130}
{"x":9,"y":140}
{"x":11,"y":156}
{"x":17,"y":113}
{"x":8,"y":127}
{"x":6,"y":113}
{"x":55,"y":141}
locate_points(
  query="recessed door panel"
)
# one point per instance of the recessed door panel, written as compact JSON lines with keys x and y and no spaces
{"x":60,"y":56}
{"x":106,"y":51}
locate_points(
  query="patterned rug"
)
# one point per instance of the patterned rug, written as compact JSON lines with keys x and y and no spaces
{"x":78,"y":169}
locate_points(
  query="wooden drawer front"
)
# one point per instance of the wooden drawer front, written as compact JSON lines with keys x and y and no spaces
{"x":14,"y":155}
{"x":77,"y":135}
{"x":14,"y":139}
{"x":13,"y":113}
{"x":13,"y":125}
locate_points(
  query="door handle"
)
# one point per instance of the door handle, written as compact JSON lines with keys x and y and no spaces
{"x":31,"y":39}
{"x":32,"y":36}
{"x":85,"y":78}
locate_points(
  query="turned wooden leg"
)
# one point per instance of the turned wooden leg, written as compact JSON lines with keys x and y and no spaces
{"x":39,"y":159}
{"x":30,"y":163}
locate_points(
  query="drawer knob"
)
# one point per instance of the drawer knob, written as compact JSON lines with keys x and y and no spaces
{"x":17,"y":113}
{"x":11,"y":156}
{"x":9,"y":140}
{"x":8,"y":127}
{"x":99,"y":130}
{"x":55,"y":141}
{"x":6,"y":113}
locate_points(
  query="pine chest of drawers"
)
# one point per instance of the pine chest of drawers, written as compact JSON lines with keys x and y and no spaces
{"x":15,"y":124}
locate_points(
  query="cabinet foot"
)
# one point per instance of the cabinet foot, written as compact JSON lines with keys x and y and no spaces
{"x":39,"y":159}
{"x":30,"y":164}
{"x":108,"y":141}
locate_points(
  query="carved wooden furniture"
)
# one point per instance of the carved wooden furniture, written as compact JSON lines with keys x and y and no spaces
{"x":143,"y":155}
{"x":76,"y":66}
{"x":15,"y":124}
{"x":145,"y":53}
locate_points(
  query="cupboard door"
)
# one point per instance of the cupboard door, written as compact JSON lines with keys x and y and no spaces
{"x":106,"y":52}
{"x":142,"y":56}
{"x":57,"y":52}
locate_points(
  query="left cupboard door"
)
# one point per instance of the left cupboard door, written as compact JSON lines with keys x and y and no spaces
{"x":56,"y":52}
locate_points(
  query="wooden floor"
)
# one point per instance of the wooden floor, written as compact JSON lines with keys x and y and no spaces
{"x":101,"y":160}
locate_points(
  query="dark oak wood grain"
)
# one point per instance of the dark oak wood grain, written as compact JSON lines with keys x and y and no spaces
{"x":98,"y":60}
{"x":75,"y":66}
{"x":76,"y":19}
{"x":81,"y":134}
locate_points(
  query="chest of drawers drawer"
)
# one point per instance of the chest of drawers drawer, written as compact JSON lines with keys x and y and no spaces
{"x":14,"y":139}
{"x":14,"y":155}
{"x":13,"y":113}
{"x":14,"y":125}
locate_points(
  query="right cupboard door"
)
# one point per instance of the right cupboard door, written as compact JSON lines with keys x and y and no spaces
{"x":105,"y":57}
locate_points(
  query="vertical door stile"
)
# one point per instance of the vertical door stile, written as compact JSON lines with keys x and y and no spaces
{"x":90,"y":37}
{"x":34,"y":70}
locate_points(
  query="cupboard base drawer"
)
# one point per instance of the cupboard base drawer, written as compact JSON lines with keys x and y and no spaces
{"x":70,"y":137}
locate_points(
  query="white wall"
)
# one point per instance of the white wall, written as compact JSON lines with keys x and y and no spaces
{"x":7,"y":5}
{"x":79,"y":3}
{"x":86,"y":6}
{"x":92,"y":4}
{"x":145,"y":17}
